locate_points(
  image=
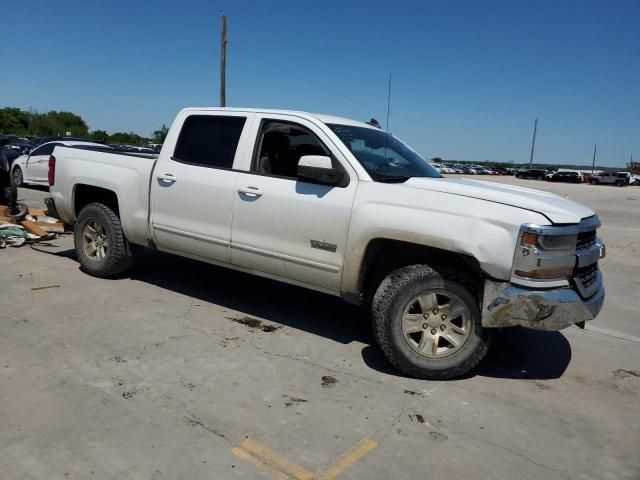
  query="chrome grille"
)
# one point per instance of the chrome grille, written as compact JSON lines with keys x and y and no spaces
{"x":587,"y":277}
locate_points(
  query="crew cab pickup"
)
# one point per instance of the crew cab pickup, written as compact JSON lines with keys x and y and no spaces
{"x":341,"y":207}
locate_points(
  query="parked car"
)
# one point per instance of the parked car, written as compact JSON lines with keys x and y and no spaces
{"x":619,"y":179}
{"x":11,"y":155}
{"x":33,"y":169}
{"x":571,"y":177}
{"x":436,"y":166}
{"x":19,"y":144}
{"x":341,"y":207}
{"x":535,"y":174}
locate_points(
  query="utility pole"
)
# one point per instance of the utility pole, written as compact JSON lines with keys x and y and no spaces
{"x":533,"y":142}
{"x":388,"y":102}
{"x":223,"y":60}
{"x":593,"y":165}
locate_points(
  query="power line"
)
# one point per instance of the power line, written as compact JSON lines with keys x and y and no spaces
{"x":388,"y":102}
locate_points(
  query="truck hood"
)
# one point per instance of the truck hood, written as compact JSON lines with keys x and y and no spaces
{"x":557,"y":209}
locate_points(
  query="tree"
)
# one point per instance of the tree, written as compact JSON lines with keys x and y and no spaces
{"x":14,"y":121}
{"x":159,"y":135}
{"x":127,"y":138}
{"x":99,"y":136}
{"x":68,"y":122}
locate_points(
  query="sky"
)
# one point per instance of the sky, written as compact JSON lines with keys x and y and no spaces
{"x":468,"y":78}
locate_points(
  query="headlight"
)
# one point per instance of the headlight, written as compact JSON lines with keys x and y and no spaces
{"x":544,"y":254}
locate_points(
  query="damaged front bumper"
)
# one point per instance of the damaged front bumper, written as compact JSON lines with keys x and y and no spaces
{"x":507,"y":305}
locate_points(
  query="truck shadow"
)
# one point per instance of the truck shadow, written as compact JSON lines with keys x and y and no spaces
{"x":516,"y":353}
{"x":273,"y":301}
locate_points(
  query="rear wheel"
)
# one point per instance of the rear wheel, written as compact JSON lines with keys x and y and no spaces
{"x":619,"y":183}
{"x":102,"y":248}
{"x":593,"y":182}
{"x":428,"y":326}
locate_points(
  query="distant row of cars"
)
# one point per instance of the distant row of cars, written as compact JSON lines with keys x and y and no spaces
{"x":471,"y":169}
{"x":30,"y":166}
{"x":619,"y":179}
{"x":17,"y":146}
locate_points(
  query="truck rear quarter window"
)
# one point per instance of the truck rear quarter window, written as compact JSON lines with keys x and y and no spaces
{"x":209,"y":140}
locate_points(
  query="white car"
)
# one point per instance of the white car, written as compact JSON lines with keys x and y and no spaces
{"x":33,"y":169}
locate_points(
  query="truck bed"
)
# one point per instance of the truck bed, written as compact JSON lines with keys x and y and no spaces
{"x":128,"y":174}
{"x":114,"y":151}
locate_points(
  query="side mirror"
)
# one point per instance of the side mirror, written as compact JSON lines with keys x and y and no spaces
{"x":318,"y":168}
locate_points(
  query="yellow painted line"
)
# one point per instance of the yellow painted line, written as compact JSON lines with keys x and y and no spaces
{"x":244,"y":455}
{"x":274,"y":460}
{"x":349,"y":458}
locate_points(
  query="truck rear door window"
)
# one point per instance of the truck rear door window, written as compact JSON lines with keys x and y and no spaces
{"x":209,"y":140}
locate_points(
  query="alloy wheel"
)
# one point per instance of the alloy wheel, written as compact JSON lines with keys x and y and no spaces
{"x":94,"y":241}
{"x":436,"y":323}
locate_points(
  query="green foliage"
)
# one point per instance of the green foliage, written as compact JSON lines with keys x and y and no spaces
{"x":127,"y":138}
{"x":14,"y":120}
{"x":99,"y":136}
{"x":159,"y":135}
{"x":19,"y":122}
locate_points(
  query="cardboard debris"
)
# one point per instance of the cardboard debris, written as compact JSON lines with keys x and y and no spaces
{"x":37,"y":224}
{"x":33,"y":227}
{"x":57,"y":227}
{"x":36,"y":212}
{"x":46,"y":219}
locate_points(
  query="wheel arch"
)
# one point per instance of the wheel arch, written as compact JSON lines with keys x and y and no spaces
{"x":84,"y":194}
{"x":384,"y":255}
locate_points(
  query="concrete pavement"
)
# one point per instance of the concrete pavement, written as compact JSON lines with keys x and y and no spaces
{"x":188,"y":371}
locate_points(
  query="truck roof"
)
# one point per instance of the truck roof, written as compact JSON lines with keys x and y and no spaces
{"x":319,"y":116}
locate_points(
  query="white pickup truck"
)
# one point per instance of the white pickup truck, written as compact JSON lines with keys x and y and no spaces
{"x":345,"y":208}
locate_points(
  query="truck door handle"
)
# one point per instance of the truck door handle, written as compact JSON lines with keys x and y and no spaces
{"x":167,"y":177}
{"x":250,"y":191}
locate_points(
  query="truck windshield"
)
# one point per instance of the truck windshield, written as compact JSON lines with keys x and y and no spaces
{"x":383,"y":156}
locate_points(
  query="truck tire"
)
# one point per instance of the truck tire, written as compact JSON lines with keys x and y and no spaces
{"x":619,"y":183}
{"x":428,"y":326}
{"x":593,"y":182}
{"x":103,"y":250}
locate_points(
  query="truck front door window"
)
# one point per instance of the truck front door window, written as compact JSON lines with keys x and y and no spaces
{"x":280,"y":146}
{"x":209,"y":141}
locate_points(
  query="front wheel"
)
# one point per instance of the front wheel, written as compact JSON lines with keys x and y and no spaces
{"x":17,"y":178}
{"x":102,"y":248}
{"x":428,"y":326}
